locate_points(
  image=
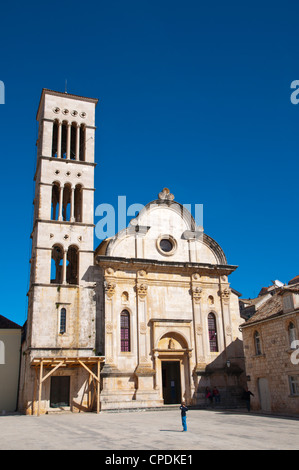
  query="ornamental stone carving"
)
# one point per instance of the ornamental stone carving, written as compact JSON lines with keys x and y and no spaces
{"x":196,"y":294}
{"x":225,"y":295}
{"x":141,"y":273}
{"x":228,"y":330}
{"x":109,"y":327}
{"x":142,"y":328}
{"x":141,"y":290}
{"x":165,"y":195}
{"x":110,"y":289}
{"x":199,"y":330}
{"x":109,"y":271}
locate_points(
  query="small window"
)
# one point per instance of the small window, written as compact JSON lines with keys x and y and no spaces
{"x":125,"y":331}
{"x":2,"y":352}
{"x":166,"y":245}
{"x":212,"y":332}
{"x":62,"y":321}
{"x":257,"y":343}
{"x":292,"y":335}
{"x":294,"y":384}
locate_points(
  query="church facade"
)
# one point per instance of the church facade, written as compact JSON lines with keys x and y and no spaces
{"x":146,"y":319}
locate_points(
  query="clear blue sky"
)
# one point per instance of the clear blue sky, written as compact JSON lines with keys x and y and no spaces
{"x":193,"y":95}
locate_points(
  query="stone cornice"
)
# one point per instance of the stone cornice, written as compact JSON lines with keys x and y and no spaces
{"x":164,"y":266}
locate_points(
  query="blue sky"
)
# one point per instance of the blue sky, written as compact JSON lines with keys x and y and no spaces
{"x":193,"y":95}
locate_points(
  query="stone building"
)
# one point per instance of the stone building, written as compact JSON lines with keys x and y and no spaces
{"x":60,"y":367}
{"x":271,"y":339}
{"x":170,"y":318}
{"x":146,"y":319}
{"x":10,"y":346}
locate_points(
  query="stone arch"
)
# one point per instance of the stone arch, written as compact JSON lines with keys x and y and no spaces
{"x":72,"y":269}
{"x":56,"y":264}
{"x":172,"y":340}
{"x":55,"y":200}
{"x":78,"y":202}
{"x":55,"y":138}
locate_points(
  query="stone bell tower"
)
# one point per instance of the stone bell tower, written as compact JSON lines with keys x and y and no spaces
{"x":60,"y":336}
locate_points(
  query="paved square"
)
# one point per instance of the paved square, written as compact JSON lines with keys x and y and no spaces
{"x":149,"y":430}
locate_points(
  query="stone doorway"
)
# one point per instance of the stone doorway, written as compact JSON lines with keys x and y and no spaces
{"x":264,"y":394}
{"x":171,"y":382}
{"x":60,"y":391}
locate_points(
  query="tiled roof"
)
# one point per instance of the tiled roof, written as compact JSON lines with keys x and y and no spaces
{"x":6,"y":324}
{"x":295,"y":280}
{"x":270,"y":309}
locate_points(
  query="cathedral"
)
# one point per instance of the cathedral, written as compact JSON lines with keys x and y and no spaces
{"x":146,"y":319}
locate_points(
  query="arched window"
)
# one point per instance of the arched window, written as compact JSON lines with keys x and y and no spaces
{"x":73,"y":141}
{"x":257,"y":343}
{"x":82,"y":143}
{"x":125,"y":331}
{"x":62,"y":328}
{"x":57,"y":264}
{"x":64,"y":131}
{"x":2,"y":352}
{"x":72,"y":265}
{"x":78,"y":203}
{"x":55,"y":201}
{"x":212,"y":332}
{"x":54,"y":139}
{"x":292,"y":335}
{"x":66,"y":203}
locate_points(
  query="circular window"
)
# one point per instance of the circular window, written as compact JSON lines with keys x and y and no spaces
{"x":166,"y":245}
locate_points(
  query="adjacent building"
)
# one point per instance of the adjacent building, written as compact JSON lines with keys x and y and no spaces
{"x":10,"y":347}
{"x":271,"y":341}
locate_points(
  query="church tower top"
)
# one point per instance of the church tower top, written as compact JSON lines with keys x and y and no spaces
{"x":67,"y":125}
{"x":60,"y":106}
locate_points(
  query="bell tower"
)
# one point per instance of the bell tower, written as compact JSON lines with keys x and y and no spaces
{"x":61,"y":309}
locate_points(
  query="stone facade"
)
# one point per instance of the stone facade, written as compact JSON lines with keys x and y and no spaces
{"x":272,"y":361}
{"x":168,"y":294}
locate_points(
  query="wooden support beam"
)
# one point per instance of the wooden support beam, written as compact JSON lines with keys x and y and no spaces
{"x":40,"y":387}
{"x":53,"y":370}
{"x":54,"y":363}
{"x":88,"y":370}
{"x":98,"y":389}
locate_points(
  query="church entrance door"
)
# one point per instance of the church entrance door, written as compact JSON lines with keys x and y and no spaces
{"x":171,"y":381}
{"x":60,"y":391}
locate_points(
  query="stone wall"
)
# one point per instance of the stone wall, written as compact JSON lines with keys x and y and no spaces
{"x":270,"y":371}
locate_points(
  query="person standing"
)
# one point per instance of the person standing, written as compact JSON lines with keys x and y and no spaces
{"x":216,"y":395}
{"x":184,"y":410}
{"x":246,"y":396}
{"x":209,"y":395}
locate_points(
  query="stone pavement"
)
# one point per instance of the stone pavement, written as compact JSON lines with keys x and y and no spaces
{"x":149,"y":430}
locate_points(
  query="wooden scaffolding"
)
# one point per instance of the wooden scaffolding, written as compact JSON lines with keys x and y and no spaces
{"x":41,"y":364}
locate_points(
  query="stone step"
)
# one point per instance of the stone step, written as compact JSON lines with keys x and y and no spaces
{"x":214,"y":407}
